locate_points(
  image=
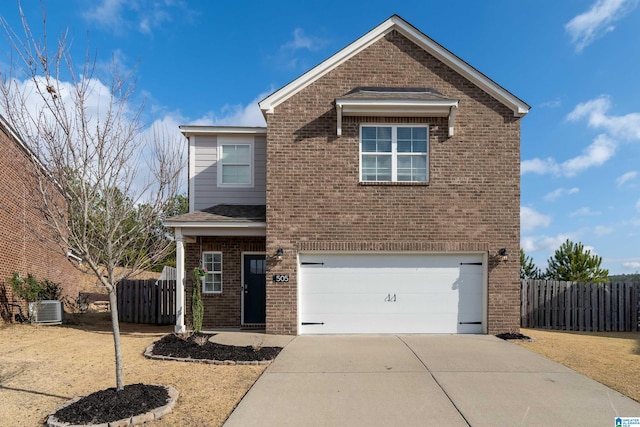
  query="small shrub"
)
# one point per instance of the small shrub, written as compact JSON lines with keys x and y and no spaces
{"x":50,"y":290}
{"x":200,"y":339}
{"x":184,"y":336}
{"x":32,"y":290}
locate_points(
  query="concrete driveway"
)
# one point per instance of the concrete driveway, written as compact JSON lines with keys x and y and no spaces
{"x":413,"y":380}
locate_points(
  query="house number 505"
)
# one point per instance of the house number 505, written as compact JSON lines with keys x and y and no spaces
{"x":279,"y":278}
{"x":390,"y":298}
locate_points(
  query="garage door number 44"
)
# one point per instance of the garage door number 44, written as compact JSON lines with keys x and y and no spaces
{"x":390,"y":298}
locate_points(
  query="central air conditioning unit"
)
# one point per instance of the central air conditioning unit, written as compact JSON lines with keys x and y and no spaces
{"x":46,"y":311}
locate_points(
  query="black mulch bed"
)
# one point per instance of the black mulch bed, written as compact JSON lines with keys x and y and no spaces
{"x":198,"y":346}
{"x":111,"y":405}
{"x":513,"y":336}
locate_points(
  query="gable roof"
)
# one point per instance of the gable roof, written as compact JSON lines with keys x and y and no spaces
{"x":395,"y":22}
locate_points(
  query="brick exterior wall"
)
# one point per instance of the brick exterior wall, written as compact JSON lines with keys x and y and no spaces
{"x":315,"y":200}
{"x":220,"y":310}
{"x":23,"y":244}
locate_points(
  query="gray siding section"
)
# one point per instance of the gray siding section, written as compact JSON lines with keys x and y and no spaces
{"x":206,"y":190}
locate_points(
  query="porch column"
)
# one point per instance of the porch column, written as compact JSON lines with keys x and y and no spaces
{"x":179,"y":328}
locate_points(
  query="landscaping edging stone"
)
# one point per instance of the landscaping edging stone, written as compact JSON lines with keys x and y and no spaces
{"x":136,"y":420}
{"x":148,"y":353}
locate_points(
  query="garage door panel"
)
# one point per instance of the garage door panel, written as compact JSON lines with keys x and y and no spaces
{"x":397,"y":301}
{"x":408,"y":323}
{"x":360,"y":280}
{"x":390,"y":293}
{"x":382,"y":303}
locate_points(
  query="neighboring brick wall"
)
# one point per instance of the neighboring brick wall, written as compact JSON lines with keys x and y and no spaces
{"x":315,"y":200}
{"x":24,"y":247}
{"x":220,"y":310}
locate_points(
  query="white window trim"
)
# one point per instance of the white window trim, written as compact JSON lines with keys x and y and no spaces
{"x":394,"y":151}
{"x":251,"y":163}
{"x":211,"y":272}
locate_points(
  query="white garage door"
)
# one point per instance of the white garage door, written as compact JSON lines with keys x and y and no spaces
{"x":390,"y":293}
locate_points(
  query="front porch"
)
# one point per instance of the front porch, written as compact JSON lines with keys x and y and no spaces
{"x":229,"y":242}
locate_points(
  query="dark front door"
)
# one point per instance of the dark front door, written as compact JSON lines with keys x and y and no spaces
{"x":254,"y":292}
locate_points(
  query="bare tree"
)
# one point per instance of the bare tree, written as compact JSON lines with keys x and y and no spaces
{"x":105,"y":180}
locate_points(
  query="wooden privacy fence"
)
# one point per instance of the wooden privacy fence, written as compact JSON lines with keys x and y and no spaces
{"x":575,"y":306}
{"x":147,"y":301}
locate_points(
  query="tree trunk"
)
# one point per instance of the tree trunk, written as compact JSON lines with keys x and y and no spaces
{"x":115,"y":325}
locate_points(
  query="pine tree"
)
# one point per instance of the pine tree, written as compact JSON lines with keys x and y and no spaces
{"x":528,"y":270}
{"x":571,"y":262}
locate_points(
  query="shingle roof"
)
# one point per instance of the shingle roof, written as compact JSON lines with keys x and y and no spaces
{"x":224,"y":213}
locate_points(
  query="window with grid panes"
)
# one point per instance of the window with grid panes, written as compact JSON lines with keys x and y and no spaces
{"x":212,"y":262}
{"x":394,"y":153}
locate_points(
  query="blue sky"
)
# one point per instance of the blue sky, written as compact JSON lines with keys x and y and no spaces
{"x":574,"y":61}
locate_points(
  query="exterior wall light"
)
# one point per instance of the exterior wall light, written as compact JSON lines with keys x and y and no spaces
{"x":503,"y":255}
{"x":279,"y":254}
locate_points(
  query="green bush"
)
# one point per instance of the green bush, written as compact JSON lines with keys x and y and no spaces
{"x":32,"y":290}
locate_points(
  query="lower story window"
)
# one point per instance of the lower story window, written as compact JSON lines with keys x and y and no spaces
{"x":212,"y":262}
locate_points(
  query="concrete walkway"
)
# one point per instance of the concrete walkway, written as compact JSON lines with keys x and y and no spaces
{"x":423,"y":380}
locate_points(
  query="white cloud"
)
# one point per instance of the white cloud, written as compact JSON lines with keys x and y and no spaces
{"x":632,"y":264}
{"x":602,"y":230}
{"x":119,"y":16}
{"x":302,"y":41}
{"x":597,"y":21}
{"x":555,"y":103}
{"x":601,"y":150}
{"x":626,"y":177}
{"x":539,"y":166}
{"x":97,"y":100}
{"x":234,"y":115}
{"x":616,"y":128}
{"x":597,"y":153}
{"x":625,"y":127}
{"x":531,"y":219}
{"x":546,"y":244}
{"x":584,"y":211}
{"x":291,"y":55}
{"x":559,"y":192}
{"x":107,"y":13}
{"x":638,"y":205}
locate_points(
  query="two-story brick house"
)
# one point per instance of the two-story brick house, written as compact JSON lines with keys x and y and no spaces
{"x":382,"y":197}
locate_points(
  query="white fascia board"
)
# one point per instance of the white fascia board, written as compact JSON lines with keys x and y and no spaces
{"x":396,"y":102}
{"x":186,"y":225}
{"x":519,"y":107}
{"x":188,"y":130}
{"x":395,"y":107}
{"x":208,"y":231}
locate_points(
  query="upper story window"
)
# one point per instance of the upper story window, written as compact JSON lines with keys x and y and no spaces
{"x":394,"y":153}
{"x":235,"y":166}
{"x":212,"y":263}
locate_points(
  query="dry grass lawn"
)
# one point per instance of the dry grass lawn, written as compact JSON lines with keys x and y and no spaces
{"x":42,"y":367}
{"x":611,"y":358}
